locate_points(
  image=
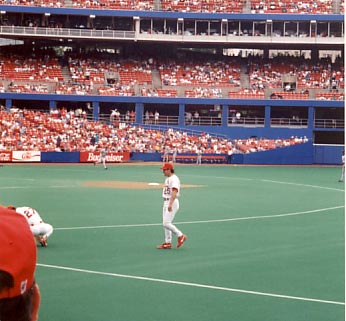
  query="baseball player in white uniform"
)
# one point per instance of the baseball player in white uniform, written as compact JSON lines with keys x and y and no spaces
{"x":199,"y":156}
{"x":103,"y":154}
{"x":170,"y":194}
{"x":165,"y":157}
{"x":39,"y":229}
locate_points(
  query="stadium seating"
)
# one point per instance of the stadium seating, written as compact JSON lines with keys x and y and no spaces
{"x":189,"y":78}
{"x":330,"y":96}
{"x":20,"y":68}
{"x":246,"y":94}
{"x":35,"y":130}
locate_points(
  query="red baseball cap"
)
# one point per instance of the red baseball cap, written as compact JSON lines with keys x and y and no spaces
{"x":17,"y":252}
{"x":167,"y":166}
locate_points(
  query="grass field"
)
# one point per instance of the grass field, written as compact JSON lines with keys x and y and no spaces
{"x":264,"y":243}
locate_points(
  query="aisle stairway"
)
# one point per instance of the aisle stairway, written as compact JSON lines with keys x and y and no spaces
{"x":155,"y":74}
{"x":244,"y":76}
{"x":66,"y":74}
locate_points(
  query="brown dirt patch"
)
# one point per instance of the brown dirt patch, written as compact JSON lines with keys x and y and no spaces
{"x":130,"y":185}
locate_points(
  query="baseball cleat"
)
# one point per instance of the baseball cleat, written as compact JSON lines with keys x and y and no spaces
{"x":164,"y":246}
{"x":181,"y":240}
{"x":43,"y":241}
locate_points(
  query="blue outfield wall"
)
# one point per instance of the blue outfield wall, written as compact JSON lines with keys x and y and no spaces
{"x":146,"y":157}
{"x":302,"y":154}
{"x":328,"y":154}
{"x":60,"y":157}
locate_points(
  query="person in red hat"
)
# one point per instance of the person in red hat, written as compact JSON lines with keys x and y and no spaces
{"x":170,"y":194}
{"x":19,"y":293}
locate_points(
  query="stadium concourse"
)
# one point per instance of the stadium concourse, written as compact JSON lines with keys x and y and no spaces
{"x":26,"y":130}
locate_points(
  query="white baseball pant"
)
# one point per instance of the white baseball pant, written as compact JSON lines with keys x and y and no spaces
{"x":167,"y":219}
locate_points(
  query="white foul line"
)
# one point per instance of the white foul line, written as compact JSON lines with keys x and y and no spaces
{"x":206,"y":221}
{"x":304,"y":185}
{"x":197,"y":285}
{"x":265,"y":216}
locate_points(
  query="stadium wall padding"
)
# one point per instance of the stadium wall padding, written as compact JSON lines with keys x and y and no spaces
{"x":328,"y":154}
{"x":146,"y":157}
{"x":60,"y":157}
{"x":301,"y":154}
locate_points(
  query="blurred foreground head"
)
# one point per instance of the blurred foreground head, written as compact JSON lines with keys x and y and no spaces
{"x":19,"y":294}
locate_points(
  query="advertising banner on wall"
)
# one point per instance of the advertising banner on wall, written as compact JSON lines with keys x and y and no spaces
{"x":26,"y":156}
{"x":92,"y":157}
{"x":5,"y":157}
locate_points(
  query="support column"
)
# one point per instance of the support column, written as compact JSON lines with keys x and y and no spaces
{"x":311,"y":115}
{"x":181,"y":115}
{"x":267,"y":117}
{"x":96,"y":110}
{"x":266,"y":54}
{"x":224,"y":117}
{"x":52,"y":104}
{"x":314,"y":54}
{"x":139,"y":113}
{"x":136,"y":26}
{"x":8,"y":104}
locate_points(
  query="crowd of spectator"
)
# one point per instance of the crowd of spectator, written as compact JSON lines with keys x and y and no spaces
{"x":70,"y":88}
{"x":330,"y":96}
{"x":155,"y":92}
{"x":303,"y":73}
{"x":247,"y":93}
{"x":252,"y":145}
{"x":115,"y":4}
{"x":34,"y":67}
{"x":101,"y":70}
{"x":63,"y":130}
{"x":116,"y":90}
{"x":213,"y":6}
{"x":289,"y":6}
{"x":203,"y":92}
{"x":215,"y":73}
{"x":28,"y":88}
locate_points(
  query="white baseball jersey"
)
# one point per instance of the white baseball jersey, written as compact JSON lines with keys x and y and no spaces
{"x":103,"y":153}
{"x":170,"y":183}
{"x":32,"y":216}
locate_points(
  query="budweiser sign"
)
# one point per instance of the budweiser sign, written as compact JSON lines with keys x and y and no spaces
{"x":5,"y":157}
{"x":92,"y":157}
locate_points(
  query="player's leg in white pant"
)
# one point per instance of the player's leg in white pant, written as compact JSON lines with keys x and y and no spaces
{"x":168,"y":217}
{"x":48,"y":230}
{"x":168,"y":235}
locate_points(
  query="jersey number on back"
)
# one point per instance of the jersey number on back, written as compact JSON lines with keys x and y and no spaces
{"x":29,"y":212}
